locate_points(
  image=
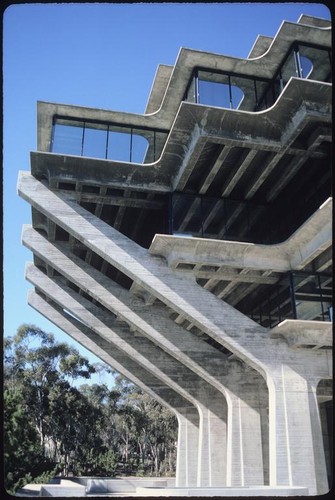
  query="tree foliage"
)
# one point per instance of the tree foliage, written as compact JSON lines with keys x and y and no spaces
{"x":52,"y":424}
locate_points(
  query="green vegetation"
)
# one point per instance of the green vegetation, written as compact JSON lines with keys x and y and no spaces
{"x":53,"y":427}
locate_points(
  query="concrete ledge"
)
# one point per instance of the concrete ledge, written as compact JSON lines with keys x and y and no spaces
{"x":124,"y":485}
{"x":304,"y":333}
{"x":61,"y":490}
{"x":247,"y":491}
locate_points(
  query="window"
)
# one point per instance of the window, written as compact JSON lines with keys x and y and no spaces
{"x":235,"y":91}
{"x":94,"y":143}
{"x":218,"y":90}
{"x":68,"y":137}
{"x":107,"y":141}
{"x":119,"y":145}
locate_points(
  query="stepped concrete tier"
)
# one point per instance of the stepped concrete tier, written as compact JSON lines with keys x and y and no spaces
{"x":203,"y":271}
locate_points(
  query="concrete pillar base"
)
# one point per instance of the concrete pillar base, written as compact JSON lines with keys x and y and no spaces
{"x":244,"y":491}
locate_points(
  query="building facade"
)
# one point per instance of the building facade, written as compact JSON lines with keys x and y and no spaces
{"x":190,"y":249}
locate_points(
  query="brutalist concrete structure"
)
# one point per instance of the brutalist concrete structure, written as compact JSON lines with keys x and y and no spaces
{"x":190,"y":248}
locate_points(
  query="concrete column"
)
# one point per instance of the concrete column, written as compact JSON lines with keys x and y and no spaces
{"x":325,"y":402}
{"x":212,"y":457}
{"x":244,"y":445}
{"x":247,"y":444}
{"x":296,"y":449}
{"x":321,"y":475}
{"x":187,"y":449}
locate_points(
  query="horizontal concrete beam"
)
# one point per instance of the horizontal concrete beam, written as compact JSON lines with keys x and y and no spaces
{"x":302,"y":333}
{"x":272,"y":129}
{"x":314,"y":236}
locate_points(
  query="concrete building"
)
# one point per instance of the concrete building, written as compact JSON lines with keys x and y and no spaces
{"x":190,"y":248}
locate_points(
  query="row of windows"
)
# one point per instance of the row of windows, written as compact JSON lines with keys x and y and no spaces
{"x":297,"y":296}
{"x":107,"y":141}
{"x":130,"y":144}
{"x":251,"y":93}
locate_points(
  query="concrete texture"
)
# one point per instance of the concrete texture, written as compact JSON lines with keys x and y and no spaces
{"x":249,"y":400}
{"x":254,"y":350}
{"x":223,"y":492}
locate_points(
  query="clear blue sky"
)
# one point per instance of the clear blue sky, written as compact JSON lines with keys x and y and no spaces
{"x":103,"y":56}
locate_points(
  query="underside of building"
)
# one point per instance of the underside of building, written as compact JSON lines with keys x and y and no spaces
{"x":190,"y":249}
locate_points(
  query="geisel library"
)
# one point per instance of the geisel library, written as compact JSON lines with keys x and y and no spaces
{"x":189,"y":247}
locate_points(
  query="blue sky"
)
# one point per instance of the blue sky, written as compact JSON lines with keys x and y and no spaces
{"x":102,"y":56}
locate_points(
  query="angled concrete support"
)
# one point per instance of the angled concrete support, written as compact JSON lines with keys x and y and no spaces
{"x":243,"y":337}
{"x":186,"y":413}
{"x":228,"y":377}
{"x":210,"y":402}
{"x":224,"y":323}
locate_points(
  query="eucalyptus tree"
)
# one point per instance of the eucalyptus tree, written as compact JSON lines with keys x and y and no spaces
{"x":37,"y":363}
{"x":22,"y":450}
{"x":38,"y":372}
{"x":88,"y":428}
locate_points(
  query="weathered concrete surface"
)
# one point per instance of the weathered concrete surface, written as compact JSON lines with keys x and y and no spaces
{"x":190,"y":300}
{"x":314,"y":236}
{"x":264,"y":66}
{"x":232,"y":378}
{"x":301,"y":102}
{"x":300,"y":333}
{"x":209,"y":402}
{"x":252,"y":417}
{"x":255,"y":491}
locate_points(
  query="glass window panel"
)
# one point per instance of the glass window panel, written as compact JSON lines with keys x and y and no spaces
{"x":156,"y":143}
{"x":306,"y":66}
{"x":118,"y":146}
{"x":95,"y":140}
{"x":139,"y":148}
{"x":194,"y":216}
{"x":313,"y":296}
{"x":308,"y":303}
{"x":180,"y":206}
{"x":272,"y":94}
{"x":214,"y":94}
{"x":218,"y":218}
{"x":210,"y":207}
{"x":67,"y":139}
